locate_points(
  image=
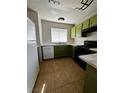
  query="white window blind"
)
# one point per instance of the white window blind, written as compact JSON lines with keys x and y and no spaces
{"x":58,"y":35}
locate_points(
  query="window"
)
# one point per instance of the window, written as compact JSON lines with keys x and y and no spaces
{"x":58,"y":35}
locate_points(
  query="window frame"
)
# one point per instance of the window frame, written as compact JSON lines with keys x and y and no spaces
{"x":59,"y":41}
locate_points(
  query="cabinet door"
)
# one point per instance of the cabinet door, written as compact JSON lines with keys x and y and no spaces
{"x":57,"y":51}
{"x":73,"y":32}
{"x":93,"y":20}
{"x":61,"y":51}
{"x":85,"y":24}
{"x":90,"y":85}
{"x":78,"y":30}
{"x":66,"y":50}
{"x":72,"y":51}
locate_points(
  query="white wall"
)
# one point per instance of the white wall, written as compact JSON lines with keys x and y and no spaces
{"x":46,"y":30}
{"x":40,"y":36}
{"x":40,"y":28}
{"x":86,"y":17}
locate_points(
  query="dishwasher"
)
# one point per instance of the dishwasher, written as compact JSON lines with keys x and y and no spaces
{"x":48,"y":52}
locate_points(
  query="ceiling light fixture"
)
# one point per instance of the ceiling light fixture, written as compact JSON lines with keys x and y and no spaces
{"x":54,"y":1}
{"x":61,"y":19}
{"x":85,"y":4}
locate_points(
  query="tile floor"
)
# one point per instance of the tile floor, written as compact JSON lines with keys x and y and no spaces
{"x":60,"y":75}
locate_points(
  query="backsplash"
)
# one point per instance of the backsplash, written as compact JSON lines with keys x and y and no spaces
{"x":90,"y":36}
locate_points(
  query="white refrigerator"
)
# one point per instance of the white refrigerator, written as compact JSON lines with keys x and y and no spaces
{"x":32,"y":56}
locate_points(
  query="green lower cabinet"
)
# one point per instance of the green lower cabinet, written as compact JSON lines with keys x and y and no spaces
{"x":90,"y":85}
{"x":78,"y":30}
{"x":72,"y":51}
{"x":93,"y":20}
{"x":62,"y":51}
{"x":85,"y":24}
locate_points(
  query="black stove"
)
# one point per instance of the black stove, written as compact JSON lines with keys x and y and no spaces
{"x":84,"y":50}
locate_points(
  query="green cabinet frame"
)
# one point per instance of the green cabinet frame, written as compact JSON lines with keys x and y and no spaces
{"x":85,"y":24}
{"x":78,"y":30}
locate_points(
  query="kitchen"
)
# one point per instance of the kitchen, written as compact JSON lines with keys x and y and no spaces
{"x":66,"y":44}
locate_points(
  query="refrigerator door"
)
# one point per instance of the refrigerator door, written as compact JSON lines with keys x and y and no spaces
{"x":31,"y":36}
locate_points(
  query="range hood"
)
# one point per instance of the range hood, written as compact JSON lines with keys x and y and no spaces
{"x":88,"y":30}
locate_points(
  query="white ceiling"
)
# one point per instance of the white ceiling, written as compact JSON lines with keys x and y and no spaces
{"x":66,"y":9}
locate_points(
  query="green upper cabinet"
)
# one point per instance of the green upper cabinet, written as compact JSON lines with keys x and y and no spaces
{"x":93,"y":20}
{"x":78,"y":30}
{"x":73,"y":33}
{"x":85,"y":24}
